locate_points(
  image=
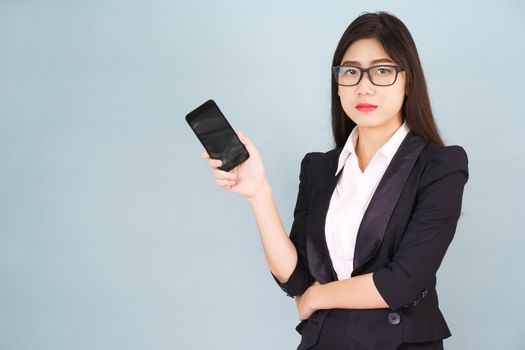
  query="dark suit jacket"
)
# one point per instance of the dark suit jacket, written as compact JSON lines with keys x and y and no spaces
{"x":405,"y":232}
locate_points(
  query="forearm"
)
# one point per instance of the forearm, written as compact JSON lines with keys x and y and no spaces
{"x":358,"y":292}
{"x":279,"y":251}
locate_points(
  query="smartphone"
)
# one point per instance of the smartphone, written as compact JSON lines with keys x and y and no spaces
{"x":216,"y":135}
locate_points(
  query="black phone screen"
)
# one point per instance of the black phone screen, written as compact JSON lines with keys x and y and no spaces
{"x":216,"y":135}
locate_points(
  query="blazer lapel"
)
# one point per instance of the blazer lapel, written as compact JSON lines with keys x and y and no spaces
{"x":377,"y":215}
{"x":319,"y":259}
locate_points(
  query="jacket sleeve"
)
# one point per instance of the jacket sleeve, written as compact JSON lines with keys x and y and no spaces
{"x":300,"y":279}
{"x":429,"y":231}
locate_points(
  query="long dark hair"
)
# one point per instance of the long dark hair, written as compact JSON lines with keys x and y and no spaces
{"x":399,"y":45}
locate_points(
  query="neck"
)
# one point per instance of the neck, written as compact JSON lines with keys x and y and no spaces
{"x":371,"y":139}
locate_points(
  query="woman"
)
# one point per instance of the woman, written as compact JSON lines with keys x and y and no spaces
{"x":374,"y":216}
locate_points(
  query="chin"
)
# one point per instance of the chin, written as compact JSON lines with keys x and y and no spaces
{"x":368,"y":120}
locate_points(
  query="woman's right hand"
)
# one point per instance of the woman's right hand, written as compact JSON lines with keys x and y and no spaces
{"x":246,"y":178}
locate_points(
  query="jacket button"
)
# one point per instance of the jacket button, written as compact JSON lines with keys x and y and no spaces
{"x":416,"y":302}
{"x":424,"y":293}
{"x":394,"y":318}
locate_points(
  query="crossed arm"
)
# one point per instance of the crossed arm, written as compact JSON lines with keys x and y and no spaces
{"x":358,"y":292}
{"x":426,"y":238}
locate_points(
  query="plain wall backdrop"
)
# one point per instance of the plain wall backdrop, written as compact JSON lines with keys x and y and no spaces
{"x":113,"y":233}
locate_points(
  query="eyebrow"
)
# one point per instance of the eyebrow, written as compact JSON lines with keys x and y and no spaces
{"x":372,"y":62}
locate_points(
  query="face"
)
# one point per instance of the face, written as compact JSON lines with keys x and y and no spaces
{"x":388,"y":99}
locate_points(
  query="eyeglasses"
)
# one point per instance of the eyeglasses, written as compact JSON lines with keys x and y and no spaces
{"x":383,"y":75}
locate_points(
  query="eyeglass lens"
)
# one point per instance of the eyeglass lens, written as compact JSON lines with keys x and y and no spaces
{"x":381,"y":75}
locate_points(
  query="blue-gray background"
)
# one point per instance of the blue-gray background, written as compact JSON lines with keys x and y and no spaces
{"x":113,"y":234}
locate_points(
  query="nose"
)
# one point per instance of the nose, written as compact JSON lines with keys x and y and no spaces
{"x":365,"y":86}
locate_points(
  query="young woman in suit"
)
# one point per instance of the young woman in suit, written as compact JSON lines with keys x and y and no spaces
{"x":375,"y":215}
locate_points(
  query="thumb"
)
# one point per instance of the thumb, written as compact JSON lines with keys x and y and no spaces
{"x":245,"y":140}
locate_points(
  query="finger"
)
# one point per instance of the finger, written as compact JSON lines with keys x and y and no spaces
{"x":224,"y":183}
{"x":245,"y":140}
{"x":205,"y":154}
{"x":221,"y":174}
{"x":214,"y":163}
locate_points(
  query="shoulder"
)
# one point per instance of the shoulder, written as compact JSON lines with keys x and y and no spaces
{"x":439,"y":161}
{"x":453,"y":155}
{"x":315,"y":161}
{"x":321,"y":157}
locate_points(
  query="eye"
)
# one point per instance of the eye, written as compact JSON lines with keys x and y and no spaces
{"x":384,"y":70}
{"x":350,"y":71}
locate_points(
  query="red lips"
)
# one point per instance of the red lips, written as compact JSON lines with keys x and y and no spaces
{"x":365,"y":107}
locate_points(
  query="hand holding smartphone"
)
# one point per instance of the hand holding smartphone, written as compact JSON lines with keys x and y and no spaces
{"x":216,"y":135}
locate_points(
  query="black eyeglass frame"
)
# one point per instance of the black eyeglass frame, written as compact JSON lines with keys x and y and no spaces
{"x":335,"y":71}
